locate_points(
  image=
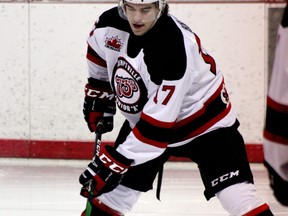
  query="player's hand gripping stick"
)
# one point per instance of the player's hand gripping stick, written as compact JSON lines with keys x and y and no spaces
{"x":105,"y":171}
{"x":86,"y":177}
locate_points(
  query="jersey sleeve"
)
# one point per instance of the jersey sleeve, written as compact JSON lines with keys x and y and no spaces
{"x":97,"y":67}
{"x":276,"y":123}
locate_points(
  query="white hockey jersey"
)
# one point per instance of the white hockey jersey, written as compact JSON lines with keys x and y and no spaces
{"x":276,"y":127}
{"x":165,"y":83}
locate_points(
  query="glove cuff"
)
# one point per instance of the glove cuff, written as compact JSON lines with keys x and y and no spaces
{"x":113,"y":160}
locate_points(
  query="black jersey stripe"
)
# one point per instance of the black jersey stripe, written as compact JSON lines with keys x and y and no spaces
{"x":95,"y":58}
{"x":149,"y":139}
{"x":275,"y":138}
{"x":212,"y":112}
{"x":277,"y":106}
{"x":152,"y":131}
{"x":276,"y":124}
{"x":159,"y":133}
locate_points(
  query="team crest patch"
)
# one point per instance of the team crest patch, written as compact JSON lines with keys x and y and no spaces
{"x":113,"y":43}
{"x":131,"y":93}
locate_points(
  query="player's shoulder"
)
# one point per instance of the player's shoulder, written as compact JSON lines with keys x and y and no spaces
{"x":169,"y":28}
{"x":167,"y":49}
{"x":111,"y":18}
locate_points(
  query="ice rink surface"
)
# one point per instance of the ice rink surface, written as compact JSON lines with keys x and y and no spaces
{"x":39,"y":187}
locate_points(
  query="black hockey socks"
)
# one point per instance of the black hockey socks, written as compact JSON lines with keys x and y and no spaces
{"x":279,"y":186}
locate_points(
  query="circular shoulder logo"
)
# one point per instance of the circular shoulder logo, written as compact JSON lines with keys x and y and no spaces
{"x":131,"y":93}
{"x":224,"y":95}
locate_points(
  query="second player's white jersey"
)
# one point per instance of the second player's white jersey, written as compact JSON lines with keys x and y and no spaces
{"x":276,"y":126}
{"x":165,"y":83}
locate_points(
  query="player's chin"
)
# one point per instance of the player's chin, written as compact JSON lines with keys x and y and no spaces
{"x":138,"y":33}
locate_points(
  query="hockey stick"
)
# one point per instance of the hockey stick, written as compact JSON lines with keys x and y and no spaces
{"x":97,"y":144}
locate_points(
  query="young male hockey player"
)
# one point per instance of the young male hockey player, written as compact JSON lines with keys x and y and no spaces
{"x":276,"y":128}
{"x":174,"y":99}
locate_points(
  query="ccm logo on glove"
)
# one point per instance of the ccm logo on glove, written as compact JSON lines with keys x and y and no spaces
{"x":98,"y":93}
{"x":104,"y":173}
{"x":112,"y":165}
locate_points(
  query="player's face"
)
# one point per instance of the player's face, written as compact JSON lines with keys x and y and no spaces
{"x":141,"y":17}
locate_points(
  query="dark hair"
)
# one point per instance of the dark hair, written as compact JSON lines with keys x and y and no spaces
{"x":166,"y":9}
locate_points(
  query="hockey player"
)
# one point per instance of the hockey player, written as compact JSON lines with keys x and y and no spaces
{"x":173,"y":97}
{"x":276,"y":128}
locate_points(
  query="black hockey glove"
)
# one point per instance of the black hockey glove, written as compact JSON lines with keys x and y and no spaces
{"x":104,"y":173}
{"x":99,"y":103}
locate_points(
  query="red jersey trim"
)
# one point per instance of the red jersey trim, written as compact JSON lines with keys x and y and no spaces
{"x":213,"y":110}
{"x":156,"y":122}
{"x":276,"y":106}
{"x":139,"y":136}
{"x":210,"y":123}
{"x":275,"y":138}
{"x":95,"y":58}
{"x":203,"y":109}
